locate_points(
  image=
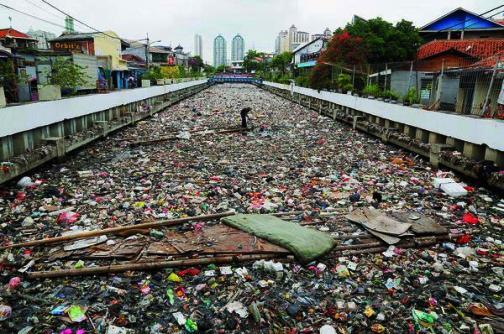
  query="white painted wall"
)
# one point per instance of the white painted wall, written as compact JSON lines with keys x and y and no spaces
{"x":25,"y":117}
{"x":473,"y":130}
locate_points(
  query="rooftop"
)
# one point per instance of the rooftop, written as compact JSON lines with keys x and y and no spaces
{"x":461,"y":19}
{"x":13,"y":33}
{"x":477,"y":48}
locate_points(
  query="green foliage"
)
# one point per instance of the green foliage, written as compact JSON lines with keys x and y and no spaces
{"x":154,"y":73}
{"x":208,"y":69}
{"x":67,"y":75}
{"x":182,"y":71}
{"x":7,"y":74}
{"x":220,"y":69}
{"x":254,"y":61}
{"x":282,"y":78}
{"x":372,"y":90}
{"x":303,"y":81}
{"x":196,"y":63}
{"x":385,"y":42}
{"x":282,"y":61}
{"x":344,"y":82}
{"x":411,"y":96}
{"x":390,"y":94}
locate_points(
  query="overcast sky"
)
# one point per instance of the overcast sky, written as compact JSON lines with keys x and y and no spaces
{"x":258,"y":21}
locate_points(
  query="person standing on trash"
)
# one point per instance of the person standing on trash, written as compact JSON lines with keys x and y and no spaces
{"x":244,"y":115}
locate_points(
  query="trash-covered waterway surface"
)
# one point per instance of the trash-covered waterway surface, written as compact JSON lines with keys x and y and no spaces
{"x":406,"y":257}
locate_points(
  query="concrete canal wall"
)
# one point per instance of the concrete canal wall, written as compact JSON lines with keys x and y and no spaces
{"x":427,"y":133}
{"x":32,"y":134}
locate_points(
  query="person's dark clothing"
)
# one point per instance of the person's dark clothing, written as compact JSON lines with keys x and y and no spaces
{"x":244,"y":113}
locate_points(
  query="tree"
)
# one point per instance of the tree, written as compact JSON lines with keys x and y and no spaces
{"x":67,"y":75}
{"x":282,"y":61}
{"x":168,"y":72}
{"x":342,"y":50}
{"x":254,"y":61}
{"x":220,"y":69}
{"x":209,"y":69}
{"x":196,"y":63}
{"x":384,"y":41}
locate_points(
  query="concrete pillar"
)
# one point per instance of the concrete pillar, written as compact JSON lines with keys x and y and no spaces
{"x":422,"y":135}
{"x":56,"y":130}
{"x":355,"y":120}
{"x":435,"y":150}
{"x":457,"y":144}
{"x":20,"y":143}
{"x":436,"y":138}
{"x":390,"y":124}
{"x":37,"y":135}
{"x":59,"y":143}
{"x":105,"y":127}
{"x":409,"y":130}
{"x":495,"y":156}
{"x":473,"y":151}
{"x":6,"y":147}
{"x":70,"y":126}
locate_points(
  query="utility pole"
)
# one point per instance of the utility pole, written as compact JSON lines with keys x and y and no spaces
{"x":147,"y":53}
{"x":487,"y":96}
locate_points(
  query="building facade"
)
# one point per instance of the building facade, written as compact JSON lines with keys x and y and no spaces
{"x":106,"y":46}
{"x":198,"y":46}
{"x":237,"y":48}
{"x":326,"y":34}
{"x":289,"y":40}
{"x":297,"y":38}
{"x":43,"y":38}
{"x":219,"y":51}
{"x":282,"y":42}
{"x":306,"y":55}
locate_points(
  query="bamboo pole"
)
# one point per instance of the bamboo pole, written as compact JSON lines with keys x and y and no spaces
{"x":118,"y":268}
{"x":112,"y":230}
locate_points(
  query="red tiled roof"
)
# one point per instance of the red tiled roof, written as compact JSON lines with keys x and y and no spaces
{"x":490,"y":61}
{"x":130,"y":57}
{"x":477,"y":48}
{"x":9,"y":32}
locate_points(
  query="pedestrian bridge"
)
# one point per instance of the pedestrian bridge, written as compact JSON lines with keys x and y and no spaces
{"x":234,"y":78}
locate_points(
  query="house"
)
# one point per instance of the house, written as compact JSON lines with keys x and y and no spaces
{"x":106,"y":46}
{"x":305,"y":56}
{"x":136,"y":66}
{"x":14,"y":39}
{"x":455,"y":43}
{"x":461,"y":24}
{"x":21,"y":46}
{"x":480,"y":85}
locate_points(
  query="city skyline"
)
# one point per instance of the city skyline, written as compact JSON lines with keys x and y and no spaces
{"x":259,"y":25}
{"x":198,"y":45}
{"x":219,"y":51}
{"x":237,"y":48}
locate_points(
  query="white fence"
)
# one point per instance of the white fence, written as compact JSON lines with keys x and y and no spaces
{"x":478,"y":131}
{"x":16,"y":119}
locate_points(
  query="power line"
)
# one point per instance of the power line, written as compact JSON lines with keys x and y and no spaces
{"x":88,"y":26}
{"x":32,"y":16}
{"x":44,"y":9}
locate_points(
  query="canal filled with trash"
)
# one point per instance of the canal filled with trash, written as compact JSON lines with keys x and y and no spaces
{"x":302,"y":225}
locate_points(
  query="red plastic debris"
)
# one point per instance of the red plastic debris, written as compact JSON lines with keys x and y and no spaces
{"x":463,"y":239}
{"x":469,"y":218}
{"x":189,"y":272}
{"x":67,"y":217}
